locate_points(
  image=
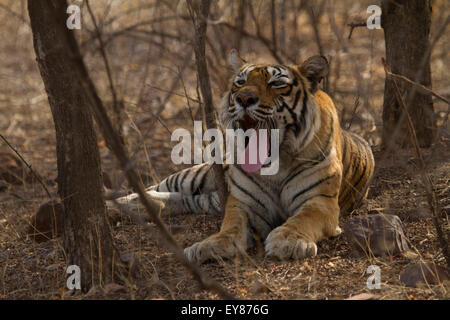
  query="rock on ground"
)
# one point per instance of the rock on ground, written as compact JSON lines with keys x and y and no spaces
{"x":376,"y":234}
{"x":46,"y":223}
{"x":425,"y":272}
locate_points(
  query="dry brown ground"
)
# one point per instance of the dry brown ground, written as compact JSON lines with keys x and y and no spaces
{"x":36,"y":271}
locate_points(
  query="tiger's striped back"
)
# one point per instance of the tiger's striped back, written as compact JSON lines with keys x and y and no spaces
{"x":358,"y":167}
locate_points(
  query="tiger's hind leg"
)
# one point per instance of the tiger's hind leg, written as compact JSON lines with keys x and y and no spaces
{"x":191,"y":190}
{"x":229,"y":241}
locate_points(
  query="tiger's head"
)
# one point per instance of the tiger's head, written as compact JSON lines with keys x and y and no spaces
{"x":264,"y":96}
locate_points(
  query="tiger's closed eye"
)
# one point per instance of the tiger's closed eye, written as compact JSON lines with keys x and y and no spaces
{"x":277,"y":84}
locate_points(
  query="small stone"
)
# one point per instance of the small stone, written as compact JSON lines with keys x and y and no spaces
{"x":410,"y":255}
{"x":418,"y":214}
{"x":127,"y":257}
{"x":46,"y":223}
{"x":131,"y":261}
{"x":363,"y":296}
{"x":110,"y":289}
{"x":377,"y":234}
{"x":114,"y":288}
{"x":427,"y":273}
{"x":114,"y":216}
{"x":174,"y":229}
{"x":258,"y":287}
{"x":94,"y":291}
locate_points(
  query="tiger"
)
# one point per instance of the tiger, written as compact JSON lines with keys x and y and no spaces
{"x":323,"y":170}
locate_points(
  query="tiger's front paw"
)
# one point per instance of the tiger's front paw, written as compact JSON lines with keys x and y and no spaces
{"x":215,"y":247}
{"x":283,"y":244}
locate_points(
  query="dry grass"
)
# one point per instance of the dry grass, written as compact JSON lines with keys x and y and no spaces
{"x":142,"y":73}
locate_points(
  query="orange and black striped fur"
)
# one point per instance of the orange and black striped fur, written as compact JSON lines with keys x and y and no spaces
{"x":323,"y":170}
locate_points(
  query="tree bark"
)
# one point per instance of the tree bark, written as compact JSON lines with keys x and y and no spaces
{"x":406,"y":27}
{"x":87,"y":236}
{"x":241,"y":16}
{"x":200,"y":24}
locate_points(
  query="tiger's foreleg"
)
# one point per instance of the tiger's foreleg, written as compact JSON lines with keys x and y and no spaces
{"x":317,"y":219}
{"x":229,"y":241}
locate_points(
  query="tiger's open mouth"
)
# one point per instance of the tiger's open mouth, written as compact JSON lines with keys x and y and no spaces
{"x":257,"y":146}
{"x":248,"y":123}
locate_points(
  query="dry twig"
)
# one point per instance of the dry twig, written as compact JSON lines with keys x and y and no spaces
{"x":29,"y":166}
{"x":421,"y":88}
{"x":354,"y":25}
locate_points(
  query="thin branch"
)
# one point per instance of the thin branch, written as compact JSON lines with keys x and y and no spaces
{"x":14,"y":14}
{"x":421,"y":88}
{"x":355,"y":107}
{"x":105,"y":61}
{"x":175,"y":93}
{"x":266,"y":42}
{"x":112,"y":35}
{"x":315,"y":19}
{"x":187,"y":100}
{"x":342,"y":41}
{"x":273,"y":23}
{"x":354,"y":25}
{"x":29,"y":167}
{"x":170,"y":92}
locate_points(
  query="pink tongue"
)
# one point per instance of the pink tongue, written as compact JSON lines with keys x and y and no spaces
{"x":259,"y":149}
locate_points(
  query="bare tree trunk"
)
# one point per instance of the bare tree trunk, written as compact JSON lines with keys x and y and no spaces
{"x":240,"y":23}
{"x":200,"y":23}
{"x":283,"y":25}
{"x":87,"y":236}
{"x":406,"y":27}
{"x":273,"y":24}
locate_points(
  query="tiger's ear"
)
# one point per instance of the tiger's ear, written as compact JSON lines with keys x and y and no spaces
{"x":236,"y":62}
{"x":315,"y":69}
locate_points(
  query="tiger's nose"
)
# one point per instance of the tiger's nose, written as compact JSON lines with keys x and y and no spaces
{"x":246,"y":99}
